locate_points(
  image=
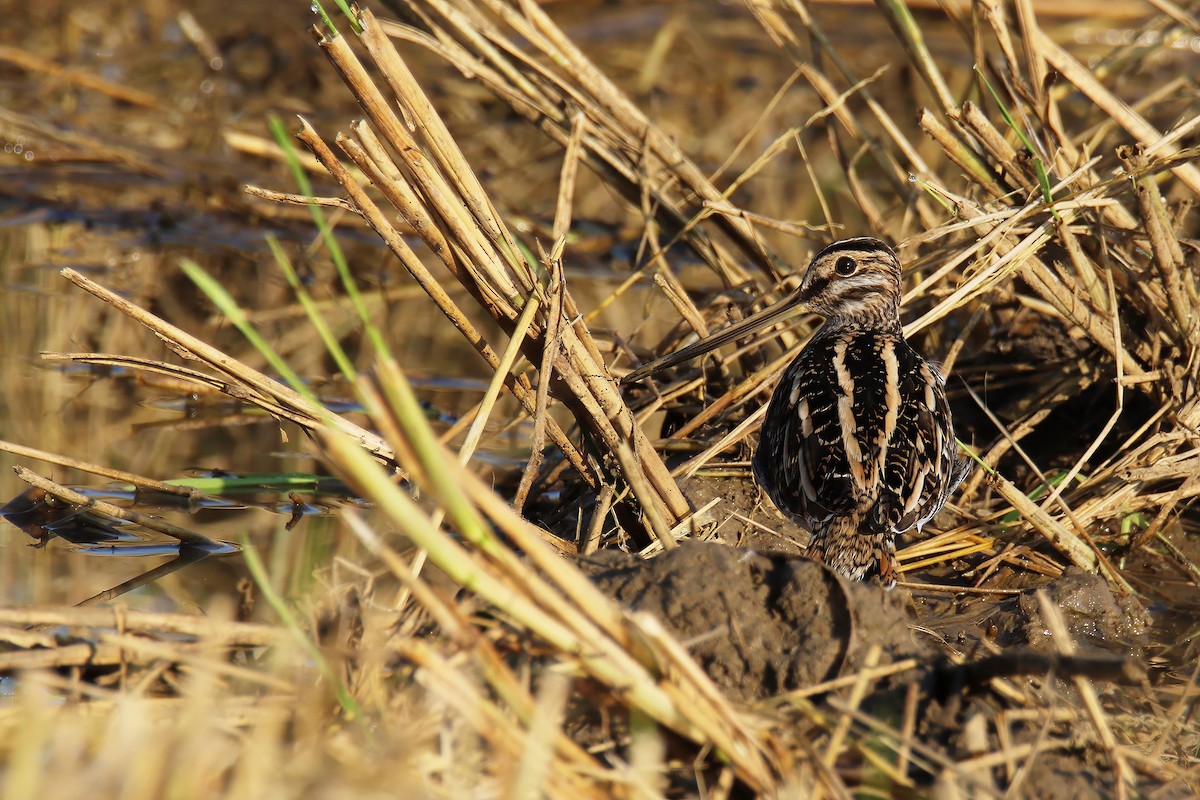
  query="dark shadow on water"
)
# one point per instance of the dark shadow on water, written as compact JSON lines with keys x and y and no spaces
{"x":187,"y":555}
{"x":43,"y":518}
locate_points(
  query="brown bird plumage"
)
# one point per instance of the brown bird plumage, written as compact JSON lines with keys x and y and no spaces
{"x":857,"y":444}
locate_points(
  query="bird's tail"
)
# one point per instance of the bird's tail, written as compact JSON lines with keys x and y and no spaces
{"x":844,"y":546}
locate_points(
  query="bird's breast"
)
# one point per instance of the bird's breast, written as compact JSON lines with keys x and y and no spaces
{"x":832,"y":421}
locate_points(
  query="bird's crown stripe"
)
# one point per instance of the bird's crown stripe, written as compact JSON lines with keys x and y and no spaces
{"x":863,"y":244}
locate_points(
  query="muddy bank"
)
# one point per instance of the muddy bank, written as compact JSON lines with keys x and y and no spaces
{"x":759,"y":623}
{"x":762,"y":624}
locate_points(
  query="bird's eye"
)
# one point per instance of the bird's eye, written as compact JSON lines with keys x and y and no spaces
{"x":845,"y":266}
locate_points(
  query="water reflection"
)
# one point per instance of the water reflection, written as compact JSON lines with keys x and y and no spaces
{"x":186,"y":555}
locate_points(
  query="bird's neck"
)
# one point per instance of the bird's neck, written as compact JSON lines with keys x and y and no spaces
{"x":879,"y":322}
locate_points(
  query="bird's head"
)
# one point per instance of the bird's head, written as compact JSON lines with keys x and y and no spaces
{"x":853,"y":279}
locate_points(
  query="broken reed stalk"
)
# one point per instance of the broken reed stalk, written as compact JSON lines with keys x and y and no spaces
{"x":451,"y":209}
{"x":247,"y":634}
{"x":140,"y":483}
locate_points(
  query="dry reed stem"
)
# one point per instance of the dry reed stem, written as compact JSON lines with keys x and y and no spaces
{"x":187,"y":381}
{"x":84,"y":79}
{"x":507,"y":359}
{"x":63,"y":656}
{"x":401,"y":196}
{"x":1091,"y":701}
{"x":72,"y":497}
{"x":212,"y":630}
{"x":263,"y":147}
{"x":556,"y":291}
{"x":139,"y":482}
{"x":960,"y":548}
{"x":231,"y":711}
{"x":595,"y":530}
{"x":199,"y":658}
{"x":1065,"y":540}
{"x":246,"y":383}
{"x":858,"y":691}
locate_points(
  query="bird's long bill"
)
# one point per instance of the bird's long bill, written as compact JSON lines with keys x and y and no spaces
{"x":787,"y":307}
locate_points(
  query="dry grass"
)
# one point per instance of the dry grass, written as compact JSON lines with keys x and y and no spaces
{"x":450,"y":647}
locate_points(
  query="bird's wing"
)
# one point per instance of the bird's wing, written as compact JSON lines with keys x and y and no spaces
{"x":920,"y":461}
{"x":801,"y":459}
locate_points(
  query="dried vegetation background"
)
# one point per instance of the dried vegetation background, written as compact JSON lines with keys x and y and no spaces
{"x":1044,"y":206}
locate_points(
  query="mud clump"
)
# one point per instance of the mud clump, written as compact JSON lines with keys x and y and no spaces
{"x":1098,"y":619}
{"x":758,"y":623}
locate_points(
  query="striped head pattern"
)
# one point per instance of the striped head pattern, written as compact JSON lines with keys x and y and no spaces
{"x":852,"y":280}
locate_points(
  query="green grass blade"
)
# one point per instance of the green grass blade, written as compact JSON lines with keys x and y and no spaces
{"x":284,"y":140}
{"x":310,"y":308}
{"x":229,"y":307}
{"x":259,"y":573}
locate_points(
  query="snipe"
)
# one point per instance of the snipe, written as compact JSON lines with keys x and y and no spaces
{"x":857,"y":444}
